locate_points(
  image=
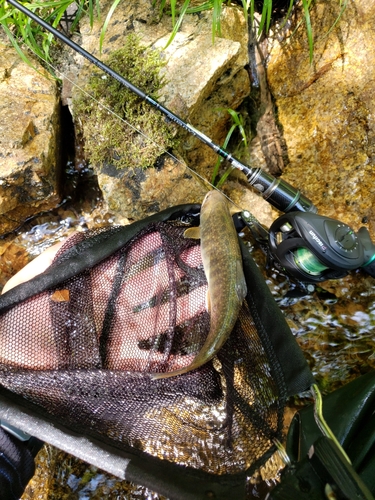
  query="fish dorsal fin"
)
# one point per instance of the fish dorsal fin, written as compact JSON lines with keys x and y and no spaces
{"x":193,"y":232}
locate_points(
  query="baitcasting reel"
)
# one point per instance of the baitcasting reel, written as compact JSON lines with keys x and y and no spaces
{"x":313,"y":248}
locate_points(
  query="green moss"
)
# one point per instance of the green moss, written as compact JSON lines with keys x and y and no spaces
{"x":107,"y":138}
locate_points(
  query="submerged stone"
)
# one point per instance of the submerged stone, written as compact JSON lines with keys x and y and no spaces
{"x":138,"y":193}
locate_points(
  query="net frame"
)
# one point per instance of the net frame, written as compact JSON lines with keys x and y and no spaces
{"x":275,"y":337}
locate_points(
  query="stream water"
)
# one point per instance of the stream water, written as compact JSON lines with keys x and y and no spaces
{"x":334,"y":327}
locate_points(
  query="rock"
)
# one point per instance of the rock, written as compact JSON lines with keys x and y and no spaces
{"x":326,"y":111}
{"x":208,"y":84}
{"x":198,"y":88}
{"x":138,"y":192}
{"x":29,"y":138}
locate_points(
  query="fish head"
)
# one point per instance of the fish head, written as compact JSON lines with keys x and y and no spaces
{"x":213,"y":196}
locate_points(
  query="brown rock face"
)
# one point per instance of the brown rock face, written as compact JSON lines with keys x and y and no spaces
{"x":29,"y":153}
{"x":136,"y":192}
{"x":326,"y":110}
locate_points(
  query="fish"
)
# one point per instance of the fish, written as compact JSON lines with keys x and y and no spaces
{"x":222,"y":264}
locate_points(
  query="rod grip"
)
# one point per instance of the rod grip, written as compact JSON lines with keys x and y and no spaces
{"x":279,"y":193}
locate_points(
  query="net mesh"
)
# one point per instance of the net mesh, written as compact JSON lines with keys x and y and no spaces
{"x":84,"y":352}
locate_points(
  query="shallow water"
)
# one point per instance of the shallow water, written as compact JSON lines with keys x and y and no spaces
{"x":335,"y":327}
{"x":38,"y":233}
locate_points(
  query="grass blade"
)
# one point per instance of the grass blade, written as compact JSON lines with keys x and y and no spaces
{"x":220,"y":160}
{"x":216,"y":14}
{"x":306,"y":12}
{"x":286,"y":17}
{"x":78,"y":15}
{"x":200,"y":8}
{"x":176,"y":27}
{"x":265,"y":19}
{"x":237,"y":120}
{"x":106,"y":22}
{"x":91,"y":13}
{"x":162,"y":5}
{"x":173,"y":12}
{"x":245,"y":6}
{"x":224,"y":177}
{"x":342,"y":10}
{"x":16,"y":46}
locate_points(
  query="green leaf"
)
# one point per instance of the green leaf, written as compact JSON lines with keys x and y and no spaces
{"x":237,"y":123}
{"x":15,"y":44}
{"x":343,"y":5}
{"x":224,"y":177}
{"x":173,"y":10}
{"x":220,"y":159}
{"x":265,"y":20}
{"x":291,"y":3}
{"x":200,"y":8}
{"x":78,"y":15}
{"x":216,"y":14}
{"x":246,"y":6}
{"x":237,"y":119}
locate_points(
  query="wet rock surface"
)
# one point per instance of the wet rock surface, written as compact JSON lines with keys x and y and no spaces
{"x":29,"y":140}
{"x":326,"y":111}
{"x":75,"y":479}
{"x":136,"y":192}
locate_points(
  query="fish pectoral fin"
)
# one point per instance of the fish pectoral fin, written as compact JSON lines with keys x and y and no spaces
{"x":193,"y":233}
{"x":208,"y":301}
{"x":241,"y":287}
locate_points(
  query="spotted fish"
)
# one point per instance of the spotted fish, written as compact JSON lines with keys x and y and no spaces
{"x":222,"y":264}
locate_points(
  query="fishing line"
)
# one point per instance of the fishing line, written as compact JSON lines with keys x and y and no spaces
{"x":256,"y":228}
{"x":126,"y":122}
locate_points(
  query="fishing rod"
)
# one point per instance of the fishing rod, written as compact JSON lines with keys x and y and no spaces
{"x":310,"y":247}
{"x":277,"y":192}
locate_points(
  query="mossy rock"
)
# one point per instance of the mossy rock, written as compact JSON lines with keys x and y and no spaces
{"x":119,"y":127}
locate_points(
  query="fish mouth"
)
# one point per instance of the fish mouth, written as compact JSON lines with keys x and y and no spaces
{"x":208,"y":195}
